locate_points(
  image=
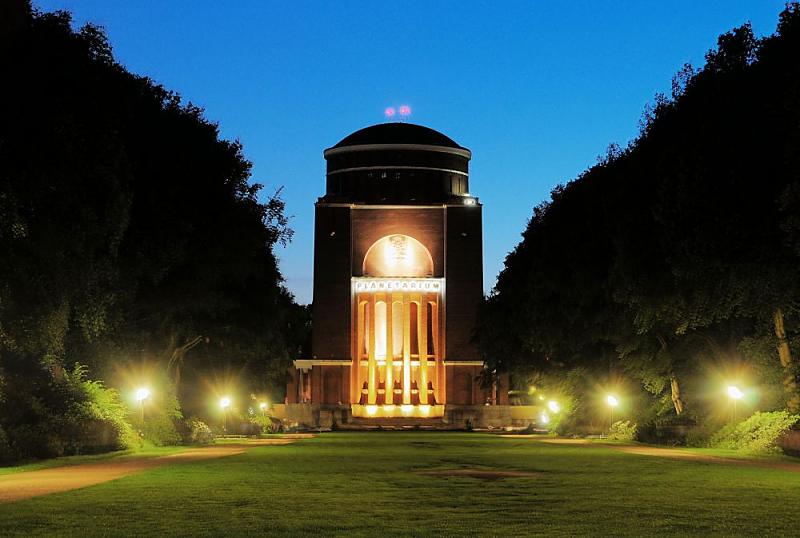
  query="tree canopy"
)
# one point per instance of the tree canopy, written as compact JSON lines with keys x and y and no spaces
{"x":678,"y":251}
{"x":130,"y":232}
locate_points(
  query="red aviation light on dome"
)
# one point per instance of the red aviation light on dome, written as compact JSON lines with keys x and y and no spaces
{"x":389,"y":112}
{"x":404,"y":111}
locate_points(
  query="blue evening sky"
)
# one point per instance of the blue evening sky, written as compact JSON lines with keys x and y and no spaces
{"x":537,"y":90}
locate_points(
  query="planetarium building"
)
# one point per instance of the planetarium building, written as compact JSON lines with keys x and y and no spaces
{"x":398,"y":277}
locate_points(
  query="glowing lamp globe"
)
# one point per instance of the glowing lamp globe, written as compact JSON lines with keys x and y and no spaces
{"x":225,"y":402}
{"x":735,"y":392}
{"x":262,"y":405}
{"x":612,"y":401}
{"x":553,"y":406}
{"x":142,"y":394}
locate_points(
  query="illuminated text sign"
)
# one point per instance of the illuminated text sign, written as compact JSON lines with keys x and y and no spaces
{"x":426,"y":285}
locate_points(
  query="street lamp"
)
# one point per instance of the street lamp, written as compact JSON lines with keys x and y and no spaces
{"x":225,"y":403}
{"x":612,"y":403}
{"x":142,"y":394}
{"x":735,"y":394}
{"x":553,"y":406}
{"x":545,"y":418}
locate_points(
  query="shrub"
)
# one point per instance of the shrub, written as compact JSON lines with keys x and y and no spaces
{"x":698,"y":436}
{"x":198,"y":432}
{"x":265,"y":423}
{"x":105,"y":425}
{"x":756,"y":435}
{"x":162,"y":416}
{"x":46,"y":417}
{"x":160,"y":430}
{"x":622,"y":430}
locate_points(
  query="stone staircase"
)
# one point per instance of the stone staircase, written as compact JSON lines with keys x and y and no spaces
{"x":395,"y":424}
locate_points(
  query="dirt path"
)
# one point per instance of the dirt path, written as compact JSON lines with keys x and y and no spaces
{"x":705,"y":458}
{"x":675,"y":453}
{"x":27,"y":484}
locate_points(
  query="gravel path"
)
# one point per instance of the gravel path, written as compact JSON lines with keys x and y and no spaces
{"x":675,"y":453}
{"x":27,"y":484}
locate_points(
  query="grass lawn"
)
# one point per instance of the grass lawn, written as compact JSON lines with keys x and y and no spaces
{"x":364,"y":484}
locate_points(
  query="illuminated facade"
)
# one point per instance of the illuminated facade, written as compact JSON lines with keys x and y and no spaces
{"x":397,"y":282}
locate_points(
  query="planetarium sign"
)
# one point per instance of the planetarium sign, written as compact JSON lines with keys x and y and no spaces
{"x":376,"y":285}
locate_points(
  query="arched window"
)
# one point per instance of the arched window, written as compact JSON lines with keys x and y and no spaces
{"x":398,"y":255}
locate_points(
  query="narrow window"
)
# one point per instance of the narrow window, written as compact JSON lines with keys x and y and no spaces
{"x":430,"y":329}
{"x":366,"y":328}
{"x":414,"y":329}
{"x":397,"y":329}
{"x":380,"y":330}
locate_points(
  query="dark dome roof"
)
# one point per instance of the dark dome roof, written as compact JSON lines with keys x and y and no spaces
{"x":397,"y":133}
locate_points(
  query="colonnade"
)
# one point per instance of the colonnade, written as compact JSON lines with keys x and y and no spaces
{"x":397,"y":349}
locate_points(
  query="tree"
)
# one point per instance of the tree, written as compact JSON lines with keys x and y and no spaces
{"x":129,"y":230}
{"x":680,"y":248}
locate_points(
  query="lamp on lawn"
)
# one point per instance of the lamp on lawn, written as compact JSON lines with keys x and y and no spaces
{"x":735,"y":394}
{"x":225,"y":403}
{"x":142,"y":394}
{"x":612,"y":403}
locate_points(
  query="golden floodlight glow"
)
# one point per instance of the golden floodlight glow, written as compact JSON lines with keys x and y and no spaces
{"x":398,"y":255}
{"x":545,"y":418}
{"x":388,"y":408}
{"x":735,"y":393}
{"x":225,"y":402}
{"x":372,"y":409}
{"x":262,"y":405}
{"x":612,"y":400}
{"x":142,"y":394}
{"x":553,"y":406}
{"x":407,"y":409}
{"x":425,"y":410}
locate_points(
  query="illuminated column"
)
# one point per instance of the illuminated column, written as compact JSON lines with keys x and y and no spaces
{"x":406,"y":350}
{"x":355,"y":369}
{"x":389,"y":377}
{"x":371,"y":366}
{"x":439,"y":389}
{"x":422,"y":338}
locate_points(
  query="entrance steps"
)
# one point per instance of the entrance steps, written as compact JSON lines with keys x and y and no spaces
{"x":395,"y":423}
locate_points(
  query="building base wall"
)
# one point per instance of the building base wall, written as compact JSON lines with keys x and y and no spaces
{"x":311,"y":416}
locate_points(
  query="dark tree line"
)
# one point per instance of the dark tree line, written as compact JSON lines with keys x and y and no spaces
{"x":678,"y":252}
{"x":129,"y":231}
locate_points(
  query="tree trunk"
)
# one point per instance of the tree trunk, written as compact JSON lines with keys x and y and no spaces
{"x":676,"y":394}
{"x":785,"y":355}
{"x":177,"y":355}
{"x":674,"y":386}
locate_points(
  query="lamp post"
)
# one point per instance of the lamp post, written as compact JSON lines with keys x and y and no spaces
{"x":612,"y":403}
{"x":141,"y":395}
{"x":224,"y":403}
{"x":735,"y":395}
{"x":544,"y":418}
